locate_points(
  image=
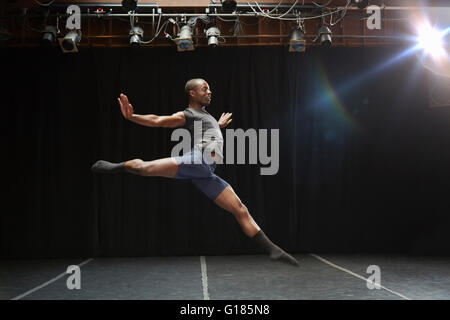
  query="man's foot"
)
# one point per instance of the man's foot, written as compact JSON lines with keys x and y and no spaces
{"x":284,"y":257}
{"x":103,"y":166}
{"x":275,"y":252}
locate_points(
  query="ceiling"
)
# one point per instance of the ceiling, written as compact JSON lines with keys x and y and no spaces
{"x":22,"y":22}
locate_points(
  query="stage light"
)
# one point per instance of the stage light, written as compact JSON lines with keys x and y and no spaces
{"x":70,"y":41}
{"x":325,"y":36}
{"x":184,"y":40}
{"x":213,"y":35}
{"x":361,"y":3}
{"x":431,"y":40}
{"x":136,"y":34}
{"x":48,"y":36}
{"x":129,"y":5}
{"x":229,"y":5}
{"x":297,"y":41}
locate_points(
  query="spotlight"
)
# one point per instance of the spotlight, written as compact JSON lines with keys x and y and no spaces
{"x":129,"y":5}
{"x":361,"y":3}
{"x":430,"y":40}
{"x":229,"y":5}
{"x":136,"y":34}
{"x":297,"y":41}
{"x":213,"y":33}
{"x":70,"y":41}
{"x":184,"y":40}
{"x":48,"y":36}
{"x":325,"y":36}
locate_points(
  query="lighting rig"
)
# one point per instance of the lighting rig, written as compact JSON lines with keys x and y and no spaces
{"x":184,"y":28}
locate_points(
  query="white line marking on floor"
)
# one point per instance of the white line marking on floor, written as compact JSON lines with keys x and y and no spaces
{"x":357,"y":275}
{"x":204,"y":278}
{"x":48,"y":282}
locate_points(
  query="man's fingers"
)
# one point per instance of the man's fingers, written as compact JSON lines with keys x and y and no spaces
{"x":122,"y":109}
{"x":125,"y":108}
{"x":225,"y":118}
{"x":130,"y":109}
{"x":122,"y":100}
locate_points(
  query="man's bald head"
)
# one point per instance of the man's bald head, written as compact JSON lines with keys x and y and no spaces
{"x":193,"y":84}
{"x":198,"y":92}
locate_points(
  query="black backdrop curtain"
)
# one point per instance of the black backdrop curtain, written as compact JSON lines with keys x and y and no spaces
{"x":364,"y":162}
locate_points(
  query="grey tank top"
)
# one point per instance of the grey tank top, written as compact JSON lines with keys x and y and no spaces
{"x":205,"y":131}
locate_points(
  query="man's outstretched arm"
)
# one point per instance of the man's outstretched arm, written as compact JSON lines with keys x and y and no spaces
{"x":150,"y":120}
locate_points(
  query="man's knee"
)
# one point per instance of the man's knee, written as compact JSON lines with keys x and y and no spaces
{"x":147,"y":168}
{"x":240,"y":210}
{"x":135,"y":166}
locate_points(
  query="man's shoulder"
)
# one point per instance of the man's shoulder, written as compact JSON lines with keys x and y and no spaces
{"x":188,"y":112}
{"x":195,"y":112}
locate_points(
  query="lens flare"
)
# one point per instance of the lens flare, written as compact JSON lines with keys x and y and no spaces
{"x":430,"y":40}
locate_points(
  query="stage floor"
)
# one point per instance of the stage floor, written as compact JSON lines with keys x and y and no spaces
{"x":252,"y":277}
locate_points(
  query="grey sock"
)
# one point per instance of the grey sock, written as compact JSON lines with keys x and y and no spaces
{"x":108,"y":167}
{"x":275,"y":252}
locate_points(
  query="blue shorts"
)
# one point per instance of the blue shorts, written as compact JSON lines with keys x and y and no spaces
{"x":192,"y":166}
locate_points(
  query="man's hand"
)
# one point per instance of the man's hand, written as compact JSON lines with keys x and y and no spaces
{"x":225,"y":120}
{"x":125,"y":106}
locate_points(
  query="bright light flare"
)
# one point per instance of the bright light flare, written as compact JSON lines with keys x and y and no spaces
{"x":431,"y":41}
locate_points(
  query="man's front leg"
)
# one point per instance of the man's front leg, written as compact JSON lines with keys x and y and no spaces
{"x":229,"y":201}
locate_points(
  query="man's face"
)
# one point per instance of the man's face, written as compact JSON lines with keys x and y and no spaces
{"x":202,"y":94}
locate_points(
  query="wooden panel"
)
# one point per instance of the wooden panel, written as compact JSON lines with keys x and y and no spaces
{"x":353,"y":27}
{"x":269,"y":27}
{"x":181,"y":3}
{"x":250,"y":28}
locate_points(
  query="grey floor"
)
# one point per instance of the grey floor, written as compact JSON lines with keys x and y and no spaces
{"x":244,"y":277}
